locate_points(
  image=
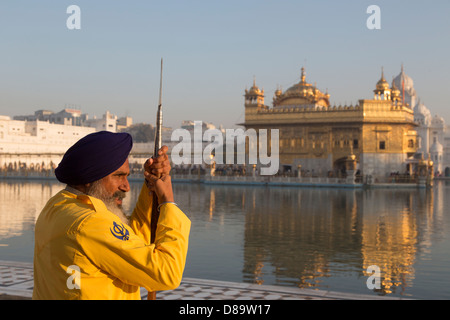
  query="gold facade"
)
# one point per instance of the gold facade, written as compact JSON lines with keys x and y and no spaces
{"x":380,"y":132}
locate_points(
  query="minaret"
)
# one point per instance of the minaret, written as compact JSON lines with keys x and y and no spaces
{"x":254,"y":101}
{"x":277,"y":94}
{"x":382,"y":90}
{"x":254,"y":96}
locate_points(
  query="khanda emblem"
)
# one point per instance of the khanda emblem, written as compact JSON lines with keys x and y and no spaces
{"x":119,"y":231}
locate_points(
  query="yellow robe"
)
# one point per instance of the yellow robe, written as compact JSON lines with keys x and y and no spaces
{"x":83,"y":251}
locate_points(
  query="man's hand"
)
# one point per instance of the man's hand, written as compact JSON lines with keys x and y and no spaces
{"x":159,"y":165}
{"x":157,"y":176}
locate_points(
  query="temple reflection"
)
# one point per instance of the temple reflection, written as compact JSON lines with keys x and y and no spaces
{"x":392,"y":230}
{"x":304,"y":236}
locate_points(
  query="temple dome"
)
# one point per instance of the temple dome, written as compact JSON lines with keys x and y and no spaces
{"x":302,"y":93}
{"x":438,"y":121}
{"x":254,"y":95}
{"x":382,"y":84}
{"x":254,"y":90}
{"x":422,"y":114}
{"x":405,"y":81}
{"x":436,"y":147}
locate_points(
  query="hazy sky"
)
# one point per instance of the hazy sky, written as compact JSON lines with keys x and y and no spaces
{"x":212,"y":50}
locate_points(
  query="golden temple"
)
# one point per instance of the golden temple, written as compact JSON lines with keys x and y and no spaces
{"x":378,"y":134}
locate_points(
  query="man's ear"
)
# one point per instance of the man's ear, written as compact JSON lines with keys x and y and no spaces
{"x":87,"y":186}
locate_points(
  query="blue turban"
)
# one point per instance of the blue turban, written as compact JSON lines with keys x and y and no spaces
{"x":94,"y":157}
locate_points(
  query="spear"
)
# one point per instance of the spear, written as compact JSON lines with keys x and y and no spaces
{"x":158,"y":145}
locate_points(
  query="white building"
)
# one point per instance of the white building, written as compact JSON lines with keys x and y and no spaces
{"x":67,"y":116}
{"x":107,"y":123}
{"x":74,"y":117}
{"x":434,"y":138}
{"x":35,"y":145}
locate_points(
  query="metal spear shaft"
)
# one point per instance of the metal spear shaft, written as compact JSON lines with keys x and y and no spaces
{"x":158,"y":145}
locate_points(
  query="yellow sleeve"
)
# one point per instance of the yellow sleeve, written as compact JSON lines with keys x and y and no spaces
{"x":116,"y":249}
{"x":141,"y":217}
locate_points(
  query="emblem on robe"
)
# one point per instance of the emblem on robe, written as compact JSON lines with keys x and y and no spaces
{"x":119,"y":231}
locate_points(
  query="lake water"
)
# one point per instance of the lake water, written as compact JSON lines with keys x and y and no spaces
{"x":319,"y":238}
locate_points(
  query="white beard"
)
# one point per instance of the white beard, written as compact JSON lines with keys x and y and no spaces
{"x":98,"y":191}
{"x":118,"y":211}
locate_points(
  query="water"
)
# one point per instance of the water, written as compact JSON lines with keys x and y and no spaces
{"x":309,"y":238}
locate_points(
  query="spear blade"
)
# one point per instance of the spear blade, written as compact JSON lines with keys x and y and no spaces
{"x":159,"y":117}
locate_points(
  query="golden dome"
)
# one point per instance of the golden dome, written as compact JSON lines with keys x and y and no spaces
{"x":382,"y":84}
{"x":254,"y":95}
{"x":254,"y":90}
{"x":302,"y":93}
{"x":395,"y":92}
{"x":278,"y":92}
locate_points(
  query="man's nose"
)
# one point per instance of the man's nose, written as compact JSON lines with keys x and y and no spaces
{"x":125,"y":186}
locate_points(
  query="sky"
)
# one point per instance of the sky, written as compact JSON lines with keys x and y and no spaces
{"x":212,"y":51}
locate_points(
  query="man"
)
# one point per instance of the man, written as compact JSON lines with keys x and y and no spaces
{"x":87,"y":248}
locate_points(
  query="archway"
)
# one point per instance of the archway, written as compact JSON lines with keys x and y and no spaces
{"x":340,"y":168}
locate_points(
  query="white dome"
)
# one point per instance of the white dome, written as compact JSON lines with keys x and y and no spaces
{"x":438,"y":121}
{"x":422,"y":114}
{"x":436,"y":148}
{"x":408,"y":82}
